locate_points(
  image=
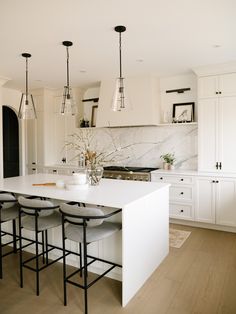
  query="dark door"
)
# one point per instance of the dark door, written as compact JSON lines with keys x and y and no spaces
{"x":10,"y":143}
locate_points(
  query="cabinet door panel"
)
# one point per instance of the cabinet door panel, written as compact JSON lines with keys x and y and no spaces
{"x":227,"y":131}
{"x":227,"y":84}
{"x":205,"y":201}
{"x":207,"y":146}
{"x":225,"y":202}
{"x":207,"y":86}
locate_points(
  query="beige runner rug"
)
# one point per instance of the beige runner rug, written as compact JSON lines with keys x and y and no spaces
{"x":178,"y":237}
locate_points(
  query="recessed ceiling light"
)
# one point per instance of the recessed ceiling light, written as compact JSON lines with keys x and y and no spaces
{"x":139,"y":60}
{"x":216,"y":46}
{"x":83,"y":71}
{"x":38,"y":80}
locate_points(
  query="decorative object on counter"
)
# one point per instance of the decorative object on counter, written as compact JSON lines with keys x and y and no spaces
{"x":84,"y":123}
{"x":27,"y":108}
{"x":44,"y":184}
{"x":95,"y":173}
{"x":108,"y":152}
{"x":60,"y":184}
{"x":169,"y":159}
{"x":119,"y":99}
{"x":183,"y":113}
{"x":68,"y":104}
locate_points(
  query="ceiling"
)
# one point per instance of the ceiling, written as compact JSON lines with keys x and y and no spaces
{"x":163,"y":38}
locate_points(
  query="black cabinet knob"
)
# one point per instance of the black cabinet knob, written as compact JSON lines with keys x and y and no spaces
{"x":217,"y":181}
{"x":181,"y":179}
{"x":181,"y":210}
{"x":217,"y":92}
{"x":161,"y":178}
{"x":181,"y":193}
{"x":213,"y":181}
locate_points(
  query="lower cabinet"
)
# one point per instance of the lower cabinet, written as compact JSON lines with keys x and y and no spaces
{"x":201,"y":198}
{"x":181,"y":195}
{"x":216,"y":201}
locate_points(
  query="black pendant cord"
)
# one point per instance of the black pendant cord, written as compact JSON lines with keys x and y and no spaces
{"x":120,"y":55}
{"x":26,"y":81}
{"x":67,"y":71}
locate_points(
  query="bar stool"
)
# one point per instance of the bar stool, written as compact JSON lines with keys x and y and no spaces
{"x":39,"y":216}
{"x":8,"y":212}
{"x":85,"y":225}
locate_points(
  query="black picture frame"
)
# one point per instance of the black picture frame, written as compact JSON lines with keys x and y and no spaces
{"x":183,"y":112}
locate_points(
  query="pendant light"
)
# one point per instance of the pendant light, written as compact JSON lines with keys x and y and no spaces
{"x":119,"y":101}
{"x":27,"y":108}
{"x":68,"y":104}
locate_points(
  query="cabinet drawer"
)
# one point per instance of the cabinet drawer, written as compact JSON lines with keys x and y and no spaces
{"x":173,"y":179}
{"x":181,"y":193}
{"x":181,"y":211}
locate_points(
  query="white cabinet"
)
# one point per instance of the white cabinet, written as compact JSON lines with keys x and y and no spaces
{"x":215,"y":201}
{"x":144,"y":104}
{"x":181,"y":194}
{"x":217,"y":127}
{"x":217,"y":85}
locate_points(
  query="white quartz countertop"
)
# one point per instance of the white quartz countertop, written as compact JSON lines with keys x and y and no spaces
{"x":193,"y":173}
{"x":113,"y":193}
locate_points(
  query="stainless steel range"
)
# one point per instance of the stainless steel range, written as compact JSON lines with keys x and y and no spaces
{"x":128,"y":173}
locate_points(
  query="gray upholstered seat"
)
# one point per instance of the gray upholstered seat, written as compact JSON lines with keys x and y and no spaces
{"x":9,"y":210}
{"x":97,"y":229}
{"x":47,"y":218}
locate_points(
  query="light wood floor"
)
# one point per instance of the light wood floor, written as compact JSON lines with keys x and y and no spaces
{"x":200,"y":277}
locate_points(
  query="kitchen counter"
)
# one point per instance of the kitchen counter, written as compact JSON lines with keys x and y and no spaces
{"x":194,"y":173}
{"x":145,"y":221}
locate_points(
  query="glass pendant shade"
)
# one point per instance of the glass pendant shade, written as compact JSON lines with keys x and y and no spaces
{"x":27,"y":107}
{"x":118,"y":101}
{"x":68,"y":105}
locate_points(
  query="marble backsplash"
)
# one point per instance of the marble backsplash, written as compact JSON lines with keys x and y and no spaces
{"x":143,"y":146}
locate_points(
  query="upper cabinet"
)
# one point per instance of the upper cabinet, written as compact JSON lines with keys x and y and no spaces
{"x":217,"y":85}
{"x":217,"y":128}
{"x":144,"y":103}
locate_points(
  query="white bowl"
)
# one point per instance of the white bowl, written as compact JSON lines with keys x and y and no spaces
{"x":74,"y":187}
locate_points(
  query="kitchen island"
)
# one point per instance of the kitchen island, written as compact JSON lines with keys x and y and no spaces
{"x":145,"y":220}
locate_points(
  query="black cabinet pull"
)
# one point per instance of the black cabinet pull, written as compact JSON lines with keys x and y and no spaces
{"x":181,"y":210}
{"x":213,"y":181}
{"x":54,"y":170}
{"x":220,"y":165}
{"x":181,"y":193}
{"x":33,"y":169}
{"x":181,"y":179}
{"x":219,"y":92}
{"x":217,"y":181}
{"x":217,"y":165}
{"x":161,"y":178}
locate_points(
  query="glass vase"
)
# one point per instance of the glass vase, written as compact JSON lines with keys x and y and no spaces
{"x":95,"y":173}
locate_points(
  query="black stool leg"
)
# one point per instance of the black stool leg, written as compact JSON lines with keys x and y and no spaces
{"x":43,"y":247}
{"x":37,"y":253}
{"x":14,"y":235}
{"x":64,"y":260}
{"x":21,"y":261}
{"x":80,"y":259}
{"x":0,"y":247}
{"x":85,"y":270}
{"x":46,"y":238}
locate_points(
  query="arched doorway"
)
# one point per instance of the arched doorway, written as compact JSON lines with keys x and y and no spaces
{"x":10,"y":143}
